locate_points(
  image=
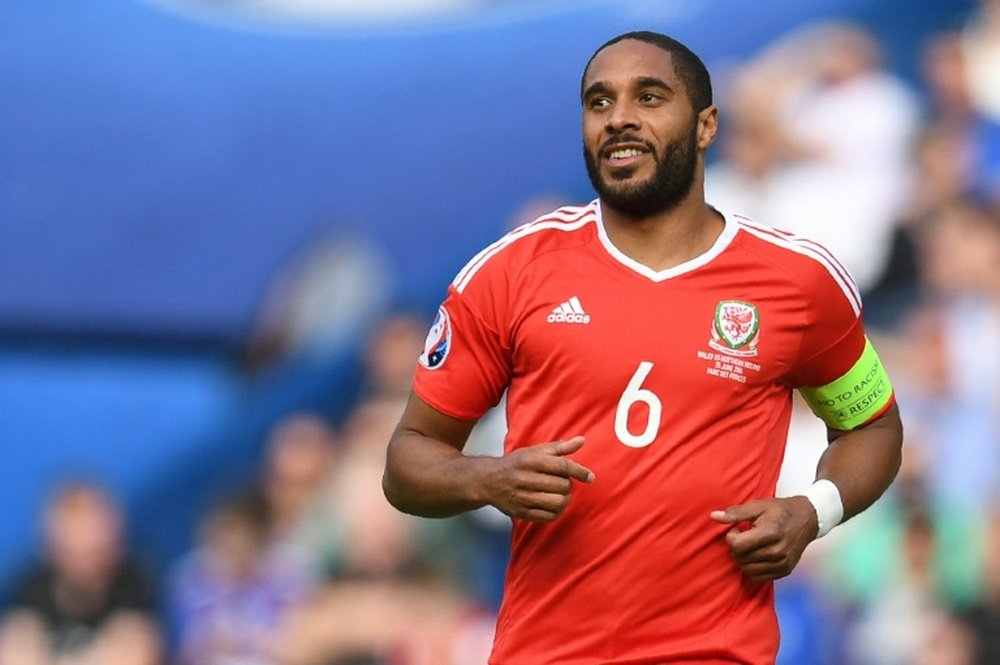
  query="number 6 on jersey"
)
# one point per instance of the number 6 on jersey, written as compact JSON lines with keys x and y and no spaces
{"x":634,"y":393}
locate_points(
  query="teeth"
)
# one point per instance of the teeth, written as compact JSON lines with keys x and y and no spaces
{"x":625,"y":154}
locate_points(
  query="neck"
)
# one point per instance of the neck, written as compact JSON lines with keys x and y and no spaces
{"x":668,"y":238}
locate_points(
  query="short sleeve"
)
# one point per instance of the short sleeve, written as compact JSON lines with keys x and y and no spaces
{"x":838,"y":371}
{"x":833,"y":337}
{"x":466,"y":362}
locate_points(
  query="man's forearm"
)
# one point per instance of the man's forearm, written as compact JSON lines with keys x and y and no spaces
{"x":863,"y":463}
{"x":429,"y":478}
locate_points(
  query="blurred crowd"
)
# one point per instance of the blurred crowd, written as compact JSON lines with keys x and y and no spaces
{"x":310,"y":566}
{"x":901,"y":182}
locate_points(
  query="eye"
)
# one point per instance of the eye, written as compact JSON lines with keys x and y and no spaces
{"x":649,"y":98}
{"x":598,"y":103}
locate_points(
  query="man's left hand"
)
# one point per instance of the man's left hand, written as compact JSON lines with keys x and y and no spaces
{"x":769,"y":535}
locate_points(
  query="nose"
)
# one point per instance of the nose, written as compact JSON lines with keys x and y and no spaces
{"x":622,"y":117}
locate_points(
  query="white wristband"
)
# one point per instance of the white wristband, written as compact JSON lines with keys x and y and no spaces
{"x":825,"y":498}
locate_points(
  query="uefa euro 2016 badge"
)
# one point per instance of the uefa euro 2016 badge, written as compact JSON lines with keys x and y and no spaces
{"x":438,"y":341}
{"x":736,"y":328}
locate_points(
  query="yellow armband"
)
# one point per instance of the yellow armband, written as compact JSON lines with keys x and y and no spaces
{"x":854,"y":398}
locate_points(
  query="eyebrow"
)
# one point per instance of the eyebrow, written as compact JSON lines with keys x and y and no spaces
{"x":653,"y":82}
{"x":641,"y":81}
{"x":594,"y":88}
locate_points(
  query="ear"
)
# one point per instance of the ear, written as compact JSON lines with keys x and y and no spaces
{"x":708,"y":125}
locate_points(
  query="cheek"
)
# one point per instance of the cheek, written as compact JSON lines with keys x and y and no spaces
{"x":592,"y":134}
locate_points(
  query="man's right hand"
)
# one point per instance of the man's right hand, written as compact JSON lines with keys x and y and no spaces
{"x":535,"y":483}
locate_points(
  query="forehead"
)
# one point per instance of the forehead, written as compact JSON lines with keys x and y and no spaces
{"x":630,"y":59}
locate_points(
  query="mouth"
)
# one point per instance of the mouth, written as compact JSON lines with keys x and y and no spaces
{"x":621,"y":155}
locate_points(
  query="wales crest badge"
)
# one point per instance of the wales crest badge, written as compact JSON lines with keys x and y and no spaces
{"x":736,"y":328}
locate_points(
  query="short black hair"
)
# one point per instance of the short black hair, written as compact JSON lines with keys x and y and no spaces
{"x":687,"y":64}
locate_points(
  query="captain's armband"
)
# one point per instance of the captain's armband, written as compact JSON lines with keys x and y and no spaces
{"x":856,"y":397}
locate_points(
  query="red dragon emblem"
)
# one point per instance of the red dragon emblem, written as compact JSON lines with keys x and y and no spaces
{"x":736,"y":327}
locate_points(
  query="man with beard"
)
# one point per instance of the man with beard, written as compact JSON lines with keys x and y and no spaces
{"x":649,"y":345}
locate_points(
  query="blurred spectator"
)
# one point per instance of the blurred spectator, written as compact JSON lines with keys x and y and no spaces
{"x":87,"y":604}
{"x":326,"y":503}
{"x":387,"y":621}
{"x":943,"y":66}
{"x":894,"y":627}
{"x":379,"y":542}
{"x":393,"y":593}
{"x":985,"y":616}
{"x":981,"y":46}
{"x":941,"y":180}
{"x":390,"y":357}
{"x":230,"y":599}
{"x":981,"y":51}
{"x":322,"y":300}
{"x":299,"y":459}
{"x":821,"y":145}
{"x":942,"y":176}
{"x":948,"y":642}
{"x":946,"y":358}
{"x":810,"y":623}
{"x":961,"y":70}
{"x":351,"y":528}
{"x":946,"y":172}
{"x":863,"y":565}
{"x":747,"y":177}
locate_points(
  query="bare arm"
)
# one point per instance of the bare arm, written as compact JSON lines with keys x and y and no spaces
{"x":23,"y":639}
{"x":862,"y":464}
{"x":129,"y":638}
{"x":427,"y":474}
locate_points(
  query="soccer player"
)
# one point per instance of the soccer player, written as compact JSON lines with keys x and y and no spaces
{"x":649,"y":345}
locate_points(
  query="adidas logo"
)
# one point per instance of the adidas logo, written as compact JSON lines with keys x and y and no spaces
{"x":570,"y":311}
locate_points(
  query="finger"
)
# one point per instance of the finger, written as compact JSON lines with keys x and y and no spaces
{"x":562,"y":466}
{"x":555,"y":503}
{"x":764,"y":572}
{"x":561,"y":447}
{"x":764,"y":555}
{"x":742,"y":543}
{"x":746,"y":512}
{"x":537,"y":515}
{"x":578,"y":471}
{"x":545,"y":482}
{"x":569,"y":446}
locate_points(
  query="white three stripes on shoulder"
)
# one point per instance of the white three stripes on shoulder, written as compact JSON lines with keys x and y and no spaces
{"x":813,"y":250}
{"x":809,"y":243}
{"x":564,"y":219}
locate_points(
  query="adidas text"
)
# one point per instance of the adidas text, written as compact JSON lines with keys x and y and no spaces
{"x":563,"y":317}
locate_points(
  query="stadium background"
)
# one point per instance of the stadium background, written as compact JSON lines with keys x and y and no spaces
{"x":208,"y":215}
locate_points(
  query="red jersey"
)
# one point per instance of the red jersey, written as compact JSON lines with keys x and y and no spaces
{"x":681,"y":381}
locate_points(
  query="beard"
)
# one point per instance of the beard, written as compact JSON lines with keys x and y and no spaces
{"x":664,"y":190}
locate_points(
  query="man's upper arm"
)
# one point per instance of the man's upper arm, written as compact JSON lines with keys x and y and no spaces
{"x":860,"y":396}
{"x":421,"y":418}
{"x":888,"y":420}
{"x":838,"y":371}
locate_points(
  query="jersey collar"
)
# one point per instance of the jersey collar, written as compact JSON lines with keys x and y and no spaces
{"x":728,"y":233}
